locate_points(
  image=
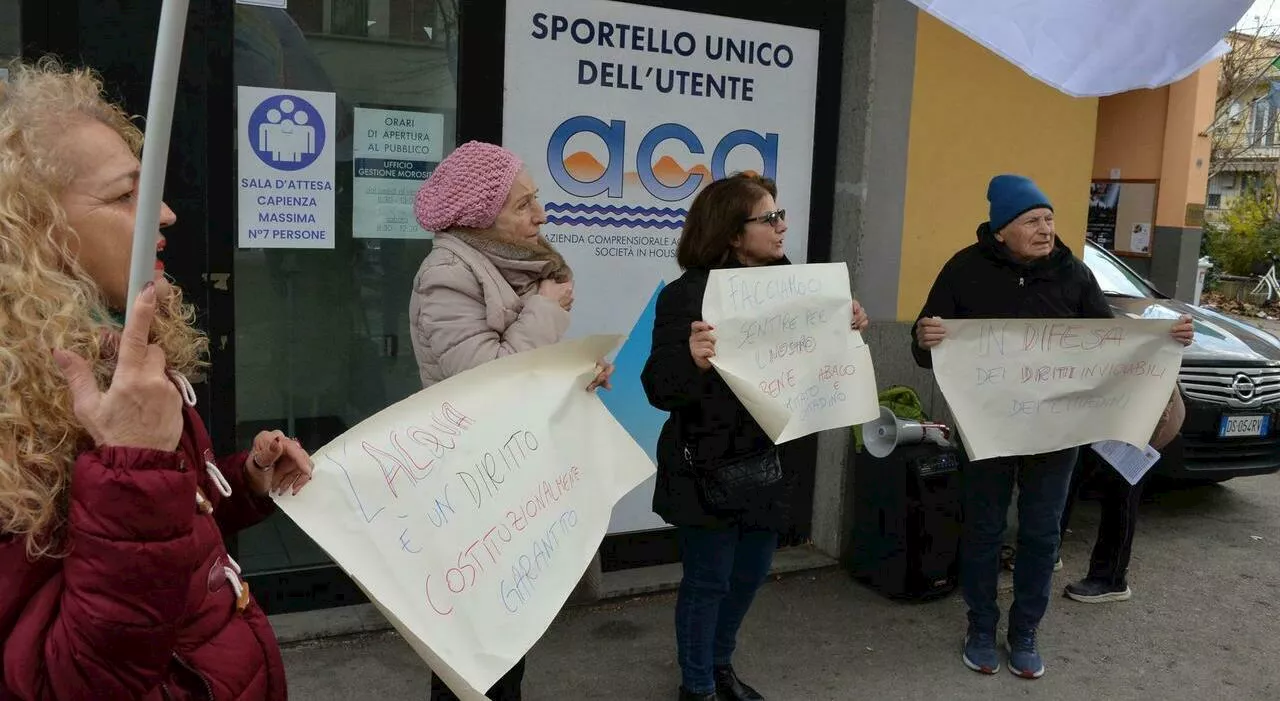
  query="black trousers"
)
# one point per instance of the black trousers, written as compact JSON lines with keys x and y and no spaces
{"x":506,"y":689}
{"x":1114,"y":545}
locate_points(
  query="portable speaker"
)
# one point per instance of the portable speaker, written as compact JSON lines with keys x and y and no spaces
{"x":906,"y":521}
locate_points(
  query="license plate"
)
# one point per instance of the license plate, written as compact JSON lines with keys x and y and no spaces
{"x":1236,"y":426}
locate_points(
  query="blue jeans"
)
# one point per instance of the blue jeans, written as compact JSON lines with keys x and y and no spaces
{"x":723,"y":568}
{"x":1043,"y":484}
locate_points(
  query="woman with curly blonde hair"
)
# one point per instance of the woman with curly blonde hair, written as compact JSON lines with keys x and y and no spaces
{"x":114,"y":580}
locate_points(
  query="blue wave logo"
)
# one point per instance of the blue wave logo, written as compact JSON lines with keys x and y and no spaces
{"x":615,"y":216}
{"x":572,"y":208}
{"x":627,"y":223}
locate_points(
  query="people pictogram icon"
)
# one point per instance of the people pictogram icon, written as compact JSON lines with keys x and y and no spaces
{"x":286,"y":135}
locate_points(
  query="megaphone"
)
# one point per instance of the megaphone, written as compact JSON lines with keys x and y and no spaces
{"x":888,"y":432}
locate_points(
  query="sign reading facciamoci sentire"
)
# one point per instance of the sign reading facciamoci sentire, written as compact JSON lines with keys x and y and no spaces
{"x":286,"y":168}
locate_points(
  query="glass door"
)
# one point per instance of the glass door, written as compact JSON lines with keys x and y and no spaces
{"x":322,"y":335}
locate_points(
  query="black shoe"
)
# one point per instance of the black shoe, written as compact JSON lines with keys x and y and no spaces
{"x":731,"y":688}
{"x":690,"y":696}
{"x":1097,"y":591}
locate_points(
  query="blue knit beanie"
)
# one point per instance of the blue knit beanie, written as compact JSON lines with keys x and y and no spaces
{"x":1010,"y":196}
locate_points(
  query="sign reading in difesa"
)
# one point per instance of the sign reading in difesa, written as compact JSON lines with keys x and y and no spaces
{"x":286,"y":168}
{"x":785,"y":347}
{"x":469,"y":511}
{"x":1030,"y":386}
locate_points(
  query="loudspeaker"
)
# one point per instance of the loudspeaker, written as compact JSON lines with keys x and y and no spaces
{"x":906,"y":521}
{"x":884,"y":434}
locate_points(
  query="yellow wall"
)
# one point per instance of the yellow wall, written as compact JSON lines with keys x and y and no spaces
{"x":1186,"y":146}
{"x":1160,"y":135}
{"x":1131,"y":134}
{"x":974,"y":115}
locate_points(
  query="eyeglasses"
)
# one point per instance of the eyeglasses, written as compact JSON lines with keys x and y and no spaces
{"x":770,"y":218}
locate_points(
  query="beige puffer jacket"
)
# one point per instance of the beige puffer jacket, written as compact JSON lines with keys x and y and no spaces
{"x":464,"y":312}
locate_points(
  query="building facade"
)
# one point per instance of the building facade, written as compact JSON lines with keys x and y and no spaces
{"x":1246,"y":141}
{"x":897,"y":123}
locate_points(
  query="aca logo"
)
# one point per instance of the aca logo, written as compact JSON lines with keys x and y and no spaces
{"x":582,"y":175}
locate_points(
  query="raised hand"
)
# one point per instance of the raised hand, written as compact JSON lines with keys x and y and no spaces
{"x":142,"y":408}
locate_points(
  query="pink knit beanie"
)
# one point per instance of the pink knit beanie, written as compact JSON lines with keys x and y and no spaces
{"x":468,"y":188}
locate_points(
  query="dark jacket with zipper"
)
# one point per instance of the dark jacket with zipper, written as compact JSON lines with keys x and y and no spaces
{"x":707,"y":419}
{"x":984,"y":281}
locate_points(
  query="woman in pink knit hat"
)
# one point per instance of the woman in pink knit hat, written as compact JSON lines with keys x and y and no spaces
{"x":492,"y":285}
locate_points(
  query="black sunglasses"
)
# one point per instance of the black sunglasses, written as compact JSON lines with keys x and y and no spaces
{"x":770,"y":217}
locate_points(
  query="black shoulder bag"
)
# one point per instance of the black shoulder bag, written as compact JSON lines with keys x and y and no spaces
{"x":737,"y":483}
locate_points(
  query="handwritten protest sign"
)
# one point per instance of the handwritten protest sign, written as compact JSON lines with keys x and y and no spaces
{"x":469,"y":511}
{"x":785,"y":347}
{"x":1029,"y":386}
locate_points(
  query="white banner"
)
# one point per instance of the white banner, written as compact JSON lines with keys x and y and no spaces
{"x":1031,"y":386}
{"x":469,"y":511}
{"x":1091,"y":48}
{"x":785,"y":347}
{"x":622,"y":113}
{"x":286,"y":157}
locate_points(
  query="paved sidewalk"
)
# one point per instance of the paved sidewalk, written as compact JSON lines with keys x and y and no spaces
{"x":1204,"y":624}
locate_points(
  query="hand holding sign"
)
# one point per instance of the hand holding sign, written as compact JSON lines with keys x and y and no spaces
{"x":702,"y":344}
{"x":860,"y":320}
{"x":929,"y":332}
{"x":788,"y":347}
{"x":278,"y":464}
{"x":1184,"y":331}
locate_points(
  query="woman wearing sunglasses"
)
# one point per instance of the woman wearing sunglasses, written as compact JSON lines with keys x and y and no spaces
{"x":726,"y":548}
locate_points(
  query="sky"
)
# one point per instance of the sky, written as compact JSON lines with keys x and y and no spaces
{"x":1266,"y":12}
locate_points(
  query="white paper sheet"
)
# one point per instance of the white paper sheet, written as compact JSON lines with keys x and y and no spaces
{"x":1031,"y":386}
{"x":1130,"y":461}
{"x":1097,"y":47}
{"x":469,"y":511}
{"x":785,"y":347}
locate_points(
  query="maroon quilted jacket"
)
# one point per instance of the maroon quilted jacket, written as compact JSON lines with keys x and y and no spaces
{"x":144,"y":605}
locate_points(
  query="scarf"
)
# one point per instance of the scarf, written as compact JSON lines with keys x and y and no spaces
{"x":523,"y":264}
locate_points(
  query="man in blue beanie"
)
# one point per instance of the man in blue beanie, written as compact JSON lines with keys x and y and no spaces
{"x":1018,"y":268}
{"x":1011,"y":196}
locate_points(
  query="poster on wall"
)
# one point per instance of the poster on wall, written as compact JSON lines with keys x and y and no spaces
{"x":622,"y":113}
{"x":286,"y":165}
{"x":1120,"y":215}
{"x":1140,"y":238}
{"x":1103,"y":198}
{"x":393,"y":152}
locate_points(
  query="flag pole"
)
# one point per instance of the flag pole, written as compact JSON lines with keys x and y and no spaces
{"x":155,"y":151}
